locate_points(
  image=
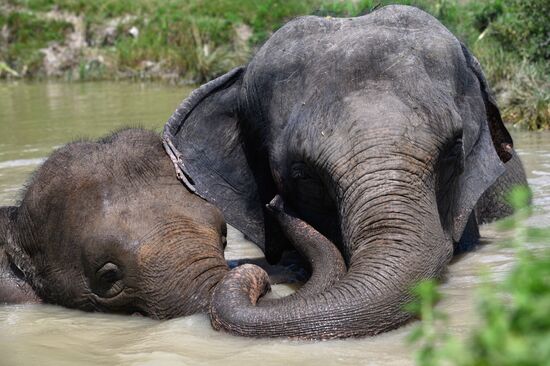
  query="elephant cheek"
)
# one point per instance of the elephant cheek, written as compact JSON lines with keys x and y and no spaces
{"x":15,"y":291}
{"x":176,"y":280}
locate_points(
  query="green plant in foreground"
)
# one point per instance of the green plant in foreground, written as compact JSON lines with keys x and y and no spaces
{"x":514,"y":314}
{"x":428,"y":334}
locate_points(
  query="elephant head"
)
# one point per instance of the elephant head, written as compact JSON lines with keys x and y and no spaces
{"x":379,"y":131}
{"x":107,"y":226}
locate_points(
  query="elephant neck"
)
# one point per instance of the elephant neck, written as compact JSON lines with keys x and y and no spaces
{"x":18,"y":262}
{"x":13,"y":286}
{"x":7,"y":268}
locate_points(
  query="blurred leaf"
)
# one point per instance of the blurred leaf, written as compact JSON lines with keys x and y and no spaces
{"x":520,"y":197}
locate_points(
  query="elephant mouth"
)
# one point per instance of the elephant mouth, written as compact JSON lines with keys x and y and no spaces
{"x":121,"y":303}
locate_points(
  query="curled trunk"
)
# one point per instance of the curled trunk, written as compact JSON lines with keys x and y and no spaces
{"x":393,"y":239}
{"x":325,"y":261}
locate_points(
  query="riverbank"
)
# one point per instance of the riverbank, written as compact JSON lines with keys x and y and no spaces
{"x":192,"y":41}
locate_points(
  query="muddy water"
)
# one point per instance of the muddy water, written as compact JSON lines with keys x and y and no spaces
{"x":35,"y":118}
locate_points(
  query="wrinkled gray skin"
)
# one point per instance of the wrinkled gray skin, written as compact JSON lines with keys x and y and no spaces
{"x":378,"y":131}
{"x":107,"y":226}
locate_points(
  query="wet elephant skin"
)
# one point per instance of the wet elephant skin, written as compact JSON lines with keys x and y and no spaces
{"x":106,"y":226}
{"x":379,"y":131}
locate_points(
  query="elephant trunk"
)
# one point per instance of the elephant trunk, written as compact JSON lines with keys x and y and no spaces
{"x":393,"y":238}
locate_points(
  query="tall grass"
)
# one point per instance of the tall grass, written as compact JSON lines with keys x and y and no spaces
{"x":27,"y":34}
{"x":197,"y":40}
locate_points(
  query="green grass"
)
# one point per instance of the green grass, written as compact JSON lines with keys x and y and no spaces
{"x":511,"y":39}
{"x":27,"y":35}
{"x":197,"y":39}
{"x":514,"y":314}
{"x":193,"y":38}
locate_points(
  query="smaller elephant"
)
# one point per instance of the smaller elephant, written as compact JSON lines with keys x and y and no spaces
{"x":107,"y":226}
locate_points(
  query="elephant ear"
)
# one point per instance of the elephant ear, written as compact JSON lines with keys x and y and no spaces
{"x":10,"y":239}
{"x":203,"y":140}
{"x":502,"y":141}
{"x":6,"y":218}
{"x":487,"y":146}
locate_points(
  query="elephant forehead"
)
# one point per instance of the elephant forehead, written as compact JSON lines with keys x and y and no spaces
{"x":360,"y":58}
{"x":393,"y":35}
{"x":179,"y":238}
{"x":314,"y":62}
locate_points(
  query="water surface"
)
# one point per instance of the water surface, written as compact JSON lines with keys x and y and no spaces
{"x":36,"y":118}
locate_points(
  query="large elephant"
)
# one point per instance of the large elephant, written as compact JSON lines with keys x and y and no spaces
{"x":107,"y":226}
{"x":379,"y":131}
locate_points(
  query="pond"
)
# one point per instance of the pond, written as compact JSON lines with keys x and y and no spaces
{"x":37,"y":118}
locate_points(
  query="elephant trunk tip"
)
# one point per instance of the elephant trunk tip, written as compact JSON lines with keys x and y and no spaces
{"x":239,"y":289}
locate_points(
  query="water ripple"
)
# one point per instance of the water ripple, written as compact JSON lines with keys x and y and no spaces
{"x":21,"y":162}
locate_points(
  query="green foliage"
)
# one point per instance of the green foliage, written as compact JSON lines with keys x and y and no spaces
{"x":515,"y":326}
{"x":198,"y":39}
{"x":5,"y":69}
{"x":520,"y":199}
{"x":513,"y":44}
{"x":98,"y":8}
{"x":345,"y":8}
{"x":528,"y":103}
{"x":427,"y":334}
{"x":201,"y":46}
{"x":525,"y":28}
{"x":28,"y":34}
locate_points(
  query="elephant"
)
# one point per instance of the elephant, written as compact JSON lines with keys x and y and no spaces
{"x":378,"y":133}
{"x":107,"y":226}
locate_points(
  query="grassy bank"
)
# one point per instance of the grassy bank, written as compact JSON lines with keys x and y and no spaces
{"x":196,"y":40}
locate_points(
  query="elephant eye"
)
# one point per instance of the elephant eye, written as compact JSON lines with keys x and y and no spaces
{"x":308,"y":189}
{"x":453,"y":155}
{"x":298,"y":171}
{"x":109,"y":273}
{"x":108,"y":280}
